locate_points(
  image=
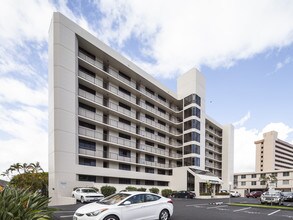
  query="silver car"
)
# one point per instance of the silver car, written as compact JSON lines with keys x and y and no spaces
{"x":275,"y":198}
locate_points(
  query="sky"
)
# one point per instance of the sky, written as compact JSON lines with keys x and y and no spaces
{"x":244,"y":48}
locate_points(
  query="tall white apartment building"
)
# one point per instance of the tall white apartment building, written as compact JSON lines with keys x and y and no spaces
{"x":110,"y":123}
{"x":273,"y":153}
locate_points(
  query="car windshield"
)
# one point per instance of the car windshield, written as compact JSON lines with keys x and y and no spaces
{"x":114,"y":199}
{"x":88,"y":191}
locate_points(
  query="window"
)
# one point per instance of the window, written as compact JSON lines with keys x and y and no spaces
{"x":149,"y":170}
{"x":149,"y":130}
{"x":149,"y":143}
{"x":149,"y":104}
{"x":85,"y":52}
{"x":285,"y":182}
{"x":87,"y":107}
{"x":125,"y":136}
{"x":243,"y":183}
{"x":192,"y":161}
{"x":243,"y":176}
{"x":193,"y":111}
{"x":149,"y":182}
{"x":84,"y":88}
{"x":149,"y":91}
{"x":151,"y":198}
{"x":161,"y":147}
{"x":149,"y":158}
{"x":124,"y":106}
{"x":262,"y":183}
{"x":192,"y":149}
{"x":161,"y":123}
{"x":149,"y":117}
{"x":192,"y":136}
{"x":161,"y":160}
{"x":253,"y":175}
{"x":87,"y":178}
{"x":161,"y":135}
{"x":136,"y":199}
{"x":285,"y":173}
{"x":124,"y":91}
{"x":122,"y":120}
{"x":87,"y":125}
{"x":161,"y":172}
{"x":162,"y":183}
{"x":86,"y":71}
{"x":124,"y":181}
{"x":162,"y":98}
{"x":124,"y":153}
{"x":87,"y":162}
{"x":253,"y":183}
{"x":161,"y":110}
{"x":87,"y":145}
{"x":193,"y":98}
{"x":124,"y":76}
{"x":123,"y":166}
{"x":193,"y":123}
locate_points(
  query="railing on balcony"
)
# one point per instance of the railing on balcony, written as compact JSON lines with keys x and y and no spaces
{"x":87,"y":95}
{"x":96,"y":63}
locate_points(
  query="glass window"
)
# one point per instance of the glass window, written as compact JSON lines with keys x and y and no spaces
{"x":243,"y":176}
{"x":285,"y":173}
{"x":192,"y":161}
{"x":124,"y":153}
{"x":193,"y":98}
{"x":87,"y":107}
{"x":253,"y":175}
{"x":193,"y":111}
{"x":87,"y":161}
{"x":193,"y":123}
{"x":87,"y":178}
{"x":192,"y":136}
{"x":124,"y":76}
{"x":124,"y":91}
{"x":125,"y":136}
{"x":123,"y":166}
{"x":149,"y":170}
{"x":149,"y":158}
{"x":192,"y":149}
{"x":243,"y":183}
{"x":253,"y":183}
{"x":151,"y":198}
{"x":285,"y":182}
{"x":87,"y":145}
{"x":136,"y":199}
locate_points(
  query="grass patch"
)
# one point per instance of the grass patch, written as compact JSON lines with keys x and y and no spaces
{"x":262,"y":206}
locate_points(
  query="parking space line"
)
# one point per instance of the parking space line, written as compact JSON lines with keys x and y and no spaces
{"x":274,"y":212}
{"x":238,"y":210}
{"x":198,"y":204}
{"x":214,"y":207}
{"x":66,"y":216}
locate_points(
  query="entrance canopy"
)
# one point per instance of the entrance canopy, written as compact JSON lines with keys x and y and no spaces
{"x":205,"y":176}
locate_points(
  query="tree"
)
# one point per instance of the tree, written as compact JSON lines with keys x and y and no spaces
{"x":28,"y":176}
{"x":268,"y":179}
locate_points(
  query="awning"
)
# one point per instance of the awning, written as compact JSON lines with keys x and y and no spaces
{"x":211,"y":179}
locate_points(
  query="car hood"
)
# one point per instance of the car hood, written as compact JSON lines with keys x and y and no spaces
{"x":91,"y":207}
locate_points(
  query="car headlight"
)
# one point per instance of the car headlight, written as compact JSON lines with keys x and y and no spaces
{"x":95,"y":213}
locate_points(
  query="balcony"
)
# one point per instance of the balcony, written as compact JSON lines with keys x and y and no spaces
{"x":116,"y":91}
{"x":121,"y":110}
{"x":109,"y":138}
{"x":115,"y":73}
{"x":96,"y":81}
{"x":154,"y":137}
{"x":90,"y":96}
{"x":153,"y":110}
{"x":96,"y":63}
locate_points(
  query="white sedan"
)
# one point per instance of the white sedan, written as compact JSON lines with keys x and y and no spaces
{"x":127,"y":206}
{"x":87,"y":195}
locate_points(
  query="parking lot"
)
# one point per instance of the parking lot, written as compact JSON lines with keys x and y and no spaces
{"x":207,"y":209}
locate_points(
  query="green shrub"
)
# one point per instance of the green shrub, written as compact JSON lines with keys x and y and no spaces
{"x":108,"y":190}
{"x":131,"y":188}
{"x":154,"y":190}
{"x":23,"y":204}
{"x":223,"y":193}
{"x":166,"y":192}
{"x":141,"y":189}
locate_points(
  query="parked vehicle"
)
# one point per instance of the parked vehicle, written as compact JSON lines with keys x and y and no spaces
{"x":288,"y":196}
{"x":254,"y":194}
{"x":87,"y":195}
{"x":127,"y":206}
{"x":275,"y":198}
{"x":235,"y":194}
{"x":184,"y":194}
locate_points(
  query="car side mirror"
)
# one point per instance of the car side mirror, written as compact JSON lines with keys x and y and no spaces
{"x":127,"y":203}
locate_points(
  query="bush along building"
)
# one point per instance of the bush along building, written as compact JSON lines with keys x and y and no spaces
{"x":110,"y":123}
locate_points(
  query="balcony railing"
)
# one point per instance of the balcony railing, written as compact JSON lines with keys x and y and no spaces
{"x":116,"y":91}
{"x":96,"y":63}
{"x":90,"y":96}
{"x":113,"y":139}
{"x":96,"y":81}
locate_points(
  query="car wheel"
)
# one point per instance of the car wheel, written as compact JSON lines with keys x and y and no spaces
{"x":82,"y":199}
{"x":164,"y":215}
{"x":111,"y":217}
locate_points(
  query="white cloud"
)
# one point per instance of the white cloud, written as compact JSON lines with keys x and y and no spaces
{"x":244,"y":147}
{"x":281,"y":64}
{"x":242,"y":120}
{"x":214,"y":33}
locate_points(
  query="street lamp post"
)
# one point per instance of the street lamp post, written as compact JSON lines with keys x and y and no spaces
{"x":230,"y":192}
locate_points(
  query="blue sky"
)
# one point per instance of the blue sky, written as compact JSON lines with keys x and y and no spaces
{"x":244,"y":49}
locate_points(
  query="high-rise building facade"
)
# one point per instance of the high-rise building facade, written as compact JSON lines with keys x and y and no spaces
{"x":273,"y":153}
{"x":110,"y":123}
